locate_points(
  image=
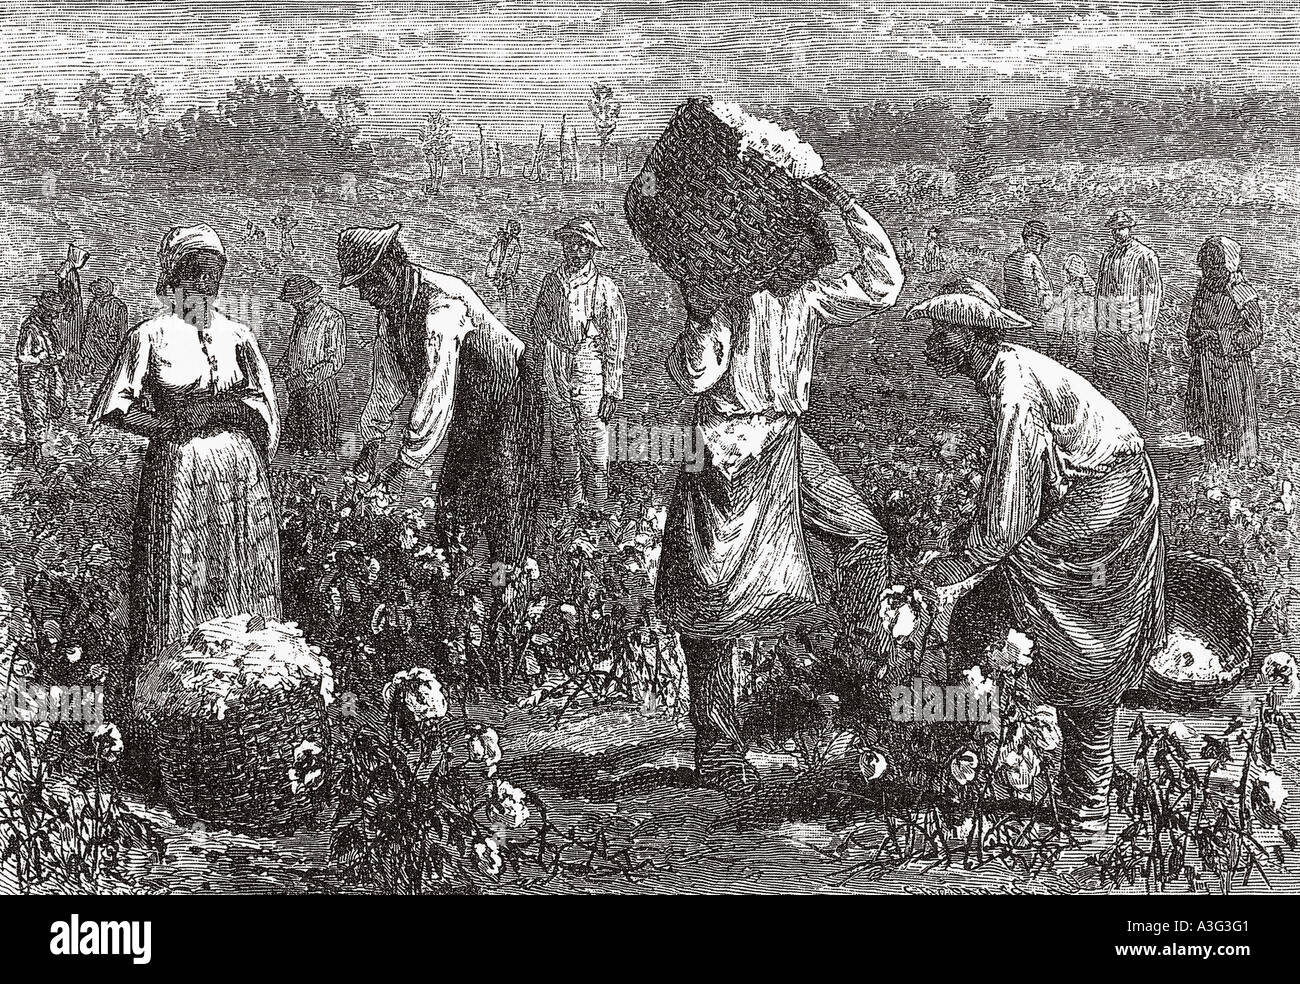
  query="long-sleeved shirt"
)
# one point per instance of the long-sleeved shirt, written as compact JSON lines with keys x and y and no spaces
{"x":584,"y":311}
{"x":1025,"y":289}
{"x":753,"y":359}
{"x":1052,"y":429}
{"x":171,"y":363}
{"x":39,"y":345}
{"x":1128,"y":291}
{"x":418,"y":351}
{"x":317,"y":346}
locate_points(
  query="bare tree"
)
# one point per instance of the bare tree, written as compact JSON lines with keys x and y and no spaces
{"x":564,"y":157}
{"x":536,"y":174}
{"x":436,"y":146}
{"x":142,"y":99}
{"x":605,"y":111}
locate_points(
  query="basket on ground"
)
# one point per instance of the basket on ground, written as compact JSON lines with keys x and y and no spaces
{"x":722,"y":206}
{"x":227,"y":709}
{"x":1211,"y":619}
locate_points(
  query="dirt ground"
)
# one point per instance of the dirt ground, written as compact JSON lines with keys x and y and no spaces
{"x":613,"y":769}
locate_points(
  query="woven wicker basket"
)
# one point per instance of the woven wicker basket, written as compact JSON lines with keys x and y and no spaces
{"x":227,"y":708}
{"x":1203,"y":597}
{"x":720,"y":222}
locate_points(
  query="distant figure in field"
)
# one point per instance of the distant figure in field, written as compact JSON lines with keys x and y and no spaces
{"x":932,"y":259}
{"x":472,"y":387}
{"x":1072,"y":322}
{"x":254,"y":233}
{"x":1226,"y":325}
{"x":106,"y":324}
{"x":313,"y":358}
{"x":41,"y":386}
{"x":1128,"y":303}
{"x":285,"y":223}
{"x":503,"y":264}
{"x":581,"y":320}
{"x":906,"y":250}
{"x":72,"y":324}
{"x":1025,"y":288}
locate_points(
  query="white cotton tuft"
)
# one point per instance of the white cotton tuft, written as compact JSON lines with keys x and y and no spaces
{"x":777,"y":146}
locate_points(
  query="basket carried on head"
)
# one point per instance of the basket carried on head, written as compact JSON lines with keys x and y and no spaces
{"x":228,"y":708}
{"x":1211,"y":619}
{"x":723,"y":207}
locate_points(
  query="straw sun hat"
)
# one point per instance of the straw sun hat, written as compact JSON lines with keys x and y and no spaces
{"x":968,"y":304}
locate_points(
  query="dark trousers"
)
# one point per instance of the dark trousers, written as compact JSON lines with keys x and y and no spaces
{"x":1087,"y":761}
{"x":711,"y":679}
{"x":1122,"y":372}
{"x":312,"y":421}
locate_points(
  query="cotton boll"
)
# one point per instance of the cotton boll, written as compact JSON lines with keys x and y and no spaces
{"x":781,"y":148}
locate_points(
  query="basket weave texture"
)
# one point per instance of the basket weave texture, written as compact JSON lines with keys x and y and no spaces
{"x":1204,"y":597}
{"x":227,"y":708}
{"x":722,"y":224}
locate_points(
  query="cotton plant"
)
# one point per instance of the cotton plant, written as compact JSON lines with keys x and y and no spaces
{"x":1220,"y":823}
{"x":64,"y":826}
{"x":424,"y":807}
{"x":600,"y":639}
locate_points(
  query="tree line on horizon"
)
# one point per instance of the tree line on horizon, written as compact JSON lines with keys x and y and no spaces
{"x":269,"y":119}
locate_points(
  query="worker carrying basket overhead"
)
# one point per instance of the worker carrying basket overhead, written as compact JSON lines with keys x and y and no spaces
{"x":731,"y":207}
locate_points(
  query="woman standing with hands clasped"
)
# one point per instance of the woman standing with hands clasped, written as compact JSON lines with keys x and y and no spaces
{"x":192,"y":381}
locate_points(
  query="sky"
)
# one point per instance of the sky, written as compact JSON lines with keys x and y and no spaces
{"x":517,"y":65}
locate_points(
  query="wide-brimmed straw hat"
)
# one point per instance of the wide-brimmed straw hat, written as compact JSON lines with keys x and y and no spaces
{"x":968,"y":304}
{"x":1121,"y":219}
{"x":360,"y":250}
{"x":582,"y":229}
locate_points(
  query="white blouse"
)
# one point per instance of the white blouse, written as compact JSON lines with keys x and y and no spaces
{"x":168,"y":362}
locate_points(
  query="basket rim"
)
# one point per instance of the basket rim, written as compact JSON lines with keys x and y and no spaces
{"x":1190,"y":557}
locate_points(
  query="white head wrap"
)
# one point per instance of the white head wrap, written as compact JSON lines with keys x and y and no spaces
{"x":180,"y":242}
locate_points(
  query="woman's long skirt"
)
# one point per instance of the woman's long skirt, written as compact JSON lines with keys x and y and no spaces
{"x":206,"y":544}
